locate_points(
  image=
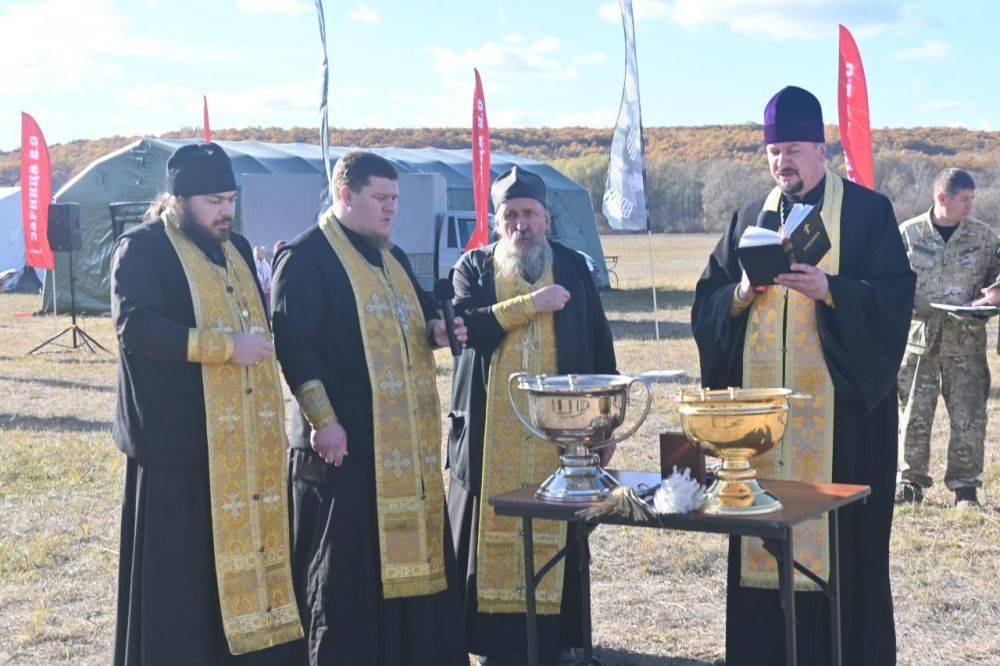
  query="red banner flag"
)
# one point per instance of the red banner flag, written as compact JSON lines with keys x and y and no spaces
{"x":480,"y":168}
{"x":36,"y":193}
{"x":206,"y":132}
{"x":855,"y":127}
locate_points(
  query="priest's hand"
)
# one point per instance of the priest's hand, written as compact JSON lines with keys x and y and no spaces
{"x":807,"y":280}
{"x":990,"y":296}
{"x":250,"y":349}
{"x":606,"y":454}
{"x":330,"y":442}
{"x":549,"y":299}
{"x":441,"y":333}
{"x":746,"y":292}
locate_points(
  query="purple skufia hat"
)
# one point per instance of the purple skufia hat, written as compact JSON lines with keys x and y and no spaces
{"x":793,"y":114}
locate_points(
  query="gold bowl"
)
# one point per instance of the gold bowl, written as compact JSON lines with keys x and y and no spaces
{"x":735,"y":425}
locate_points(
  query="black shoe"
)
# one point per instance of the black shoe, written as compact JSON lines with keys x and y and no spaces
{"x":907,"y":493}
{"x":965,"y":498}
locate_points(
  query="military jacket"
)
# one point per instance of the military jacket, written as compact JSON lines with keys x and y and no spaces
{"x":952,"y":273}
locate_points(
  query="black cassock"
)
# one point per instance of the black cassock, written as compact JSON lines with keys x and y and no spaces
{"x":584,"y":343}
{"x":168,"y":601}
{"x":863,"y":337}
{"x":335,"y":543}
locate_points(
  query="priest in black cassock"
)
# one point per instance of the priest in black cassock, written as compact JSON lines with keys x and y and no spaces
{"x":374,"y":570}
{"x":530,"y":305}
{"x":836,"y":331}
{"x":204,"y":566}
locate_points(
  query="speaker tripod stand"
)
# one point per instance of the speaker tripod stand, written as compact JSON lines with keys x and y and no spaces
{"x":81,"y":339}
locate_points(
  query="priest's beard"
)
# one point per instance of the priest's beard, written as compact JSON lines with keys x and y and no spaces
{"x":793,"y":190}
{"x":375,"y":240}
{"x":199,"y":232}
{"x":527,"y":260}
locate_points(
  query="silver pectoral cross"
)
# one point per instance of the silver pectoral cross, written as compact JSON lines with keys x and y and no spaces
{"x":526,"y":347}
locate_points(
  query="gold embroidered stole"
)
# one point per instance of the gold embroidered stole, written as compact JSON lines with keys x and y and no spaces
{"x":782,"y":348}
{"x":406,"y":418}
{"x":245,"y":424}
{"x":512,"y":459}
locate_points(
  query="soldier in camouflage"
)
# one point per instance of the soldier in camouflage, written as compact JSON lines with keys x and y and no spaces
{"x":955,"y":258}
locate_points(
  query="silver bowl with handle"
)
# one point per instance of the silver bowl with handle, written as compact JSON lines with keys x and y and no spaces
{"x":579,"y":414}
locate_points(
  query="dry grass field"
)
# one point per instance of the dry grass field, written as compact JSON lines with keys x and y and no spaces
{"x":658,"y":596}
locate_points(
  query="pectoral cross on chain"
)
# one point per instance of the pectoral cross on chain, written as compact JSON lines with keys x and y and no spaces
{"x":526,"y":346}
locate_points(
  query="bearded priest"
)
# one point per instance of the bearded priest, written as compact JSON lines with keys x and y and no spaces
{"x":530,"y":305}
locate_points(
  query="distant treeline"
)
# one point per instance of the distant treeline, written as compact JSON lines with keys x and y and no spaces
{"x":696,"y":176}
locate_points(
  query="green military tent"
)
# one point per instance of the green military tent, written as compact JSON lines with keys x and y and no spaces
{"x":280,"y":186}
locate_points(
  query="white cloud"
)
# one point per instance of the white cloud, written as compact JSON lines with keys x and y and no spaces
{"x":642,"y":10}
{"x":295,"y":102}
{"x":273,"y":6}
{"x":502,"y":15}
{"x":506,"y":60}
{"x":589,"y":58}
{"x":916,"y":84}
{"x":942,"y":105}
{"x":931,"y":49}
{"x":775,"y":19}
{"x":74,"y":45}
{"x":364,"y":13}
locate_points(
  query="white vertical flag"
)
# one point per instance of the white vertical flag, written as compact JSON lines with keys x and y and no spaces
{"x":625,"y":192}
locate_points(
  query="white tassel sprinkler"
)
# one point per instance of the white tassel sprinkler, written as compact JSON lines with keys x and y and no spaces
{"x":679,"y":493}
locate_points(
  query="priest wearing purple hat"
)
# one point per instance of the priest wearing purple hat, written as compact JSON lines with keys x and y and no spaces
{"x":836,"y":331}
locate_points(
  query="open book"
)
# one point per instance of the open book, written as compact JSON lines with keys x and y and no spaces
{"x":764,"y":254}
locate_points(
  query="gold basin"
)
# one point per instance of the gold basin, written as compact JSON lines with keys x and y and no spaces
{"x":735,"y":425}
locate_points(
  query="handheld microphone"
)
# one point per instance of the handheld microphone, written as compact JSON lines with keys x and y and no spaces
{"x":443,"y":293}
{"x":769,"y":219}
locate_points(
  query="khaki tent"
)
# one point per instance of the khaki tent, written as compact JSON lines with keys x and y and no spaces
{"x":280,"y":186}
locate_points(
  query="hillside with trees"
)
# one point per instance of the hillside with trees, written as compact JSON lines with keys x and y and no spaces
{"x":695,"y":175}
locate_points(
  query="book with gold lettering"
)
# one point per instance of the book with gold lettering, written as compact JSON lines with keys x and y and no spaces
{"x":764,"y":253}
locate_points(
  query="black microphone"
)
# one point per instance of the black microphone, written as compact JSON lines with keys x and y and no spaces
{"x":769,"y":219}
{"x":444,"y":292}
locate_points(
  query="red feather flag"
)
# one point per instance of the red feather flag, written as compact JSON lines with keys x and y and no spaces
{"x":206,"y":131}
{"x":36,"y":193}
{"x":855,"y":126}
{"x":480,"y":168}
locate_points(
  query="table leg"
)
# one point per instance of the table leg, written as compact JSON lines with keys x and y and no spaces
{"x":786,"y":582}
{"x":583,"y":543}
{"x":529,"y":590}
{"x":835,"y":629}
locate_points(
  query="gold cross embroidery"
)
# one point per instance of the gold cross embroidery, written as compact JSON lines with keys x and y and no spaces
{"x":234,"y":505}
{"x":220,"y":326}
{"x":391,"y":384}
{"x":396,"y":464}
{"x":377,"y":308}
{"x":228,"y":418}
{"x":272,"y":498}
{"x":431,"y":459}
{"x":506,"y":468}
{"x":266,"y":414}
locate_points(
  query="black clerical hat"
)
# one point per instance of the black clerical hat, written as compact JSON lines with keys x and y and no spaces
{"x":200,"y":168}
{"x":517,"y":183}
{"x":793,"y":114}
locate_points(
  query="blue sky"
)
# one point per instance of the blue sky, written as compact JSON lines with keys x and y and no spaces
{"x":93,"y":68}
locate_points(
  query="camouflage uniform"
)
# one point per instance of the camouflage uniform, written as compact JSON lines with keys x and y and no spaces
{"x":946,"y":353}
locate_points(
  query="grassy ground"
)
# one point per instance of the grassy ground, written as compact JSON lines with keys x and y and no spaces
{"x":658,"y":596}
